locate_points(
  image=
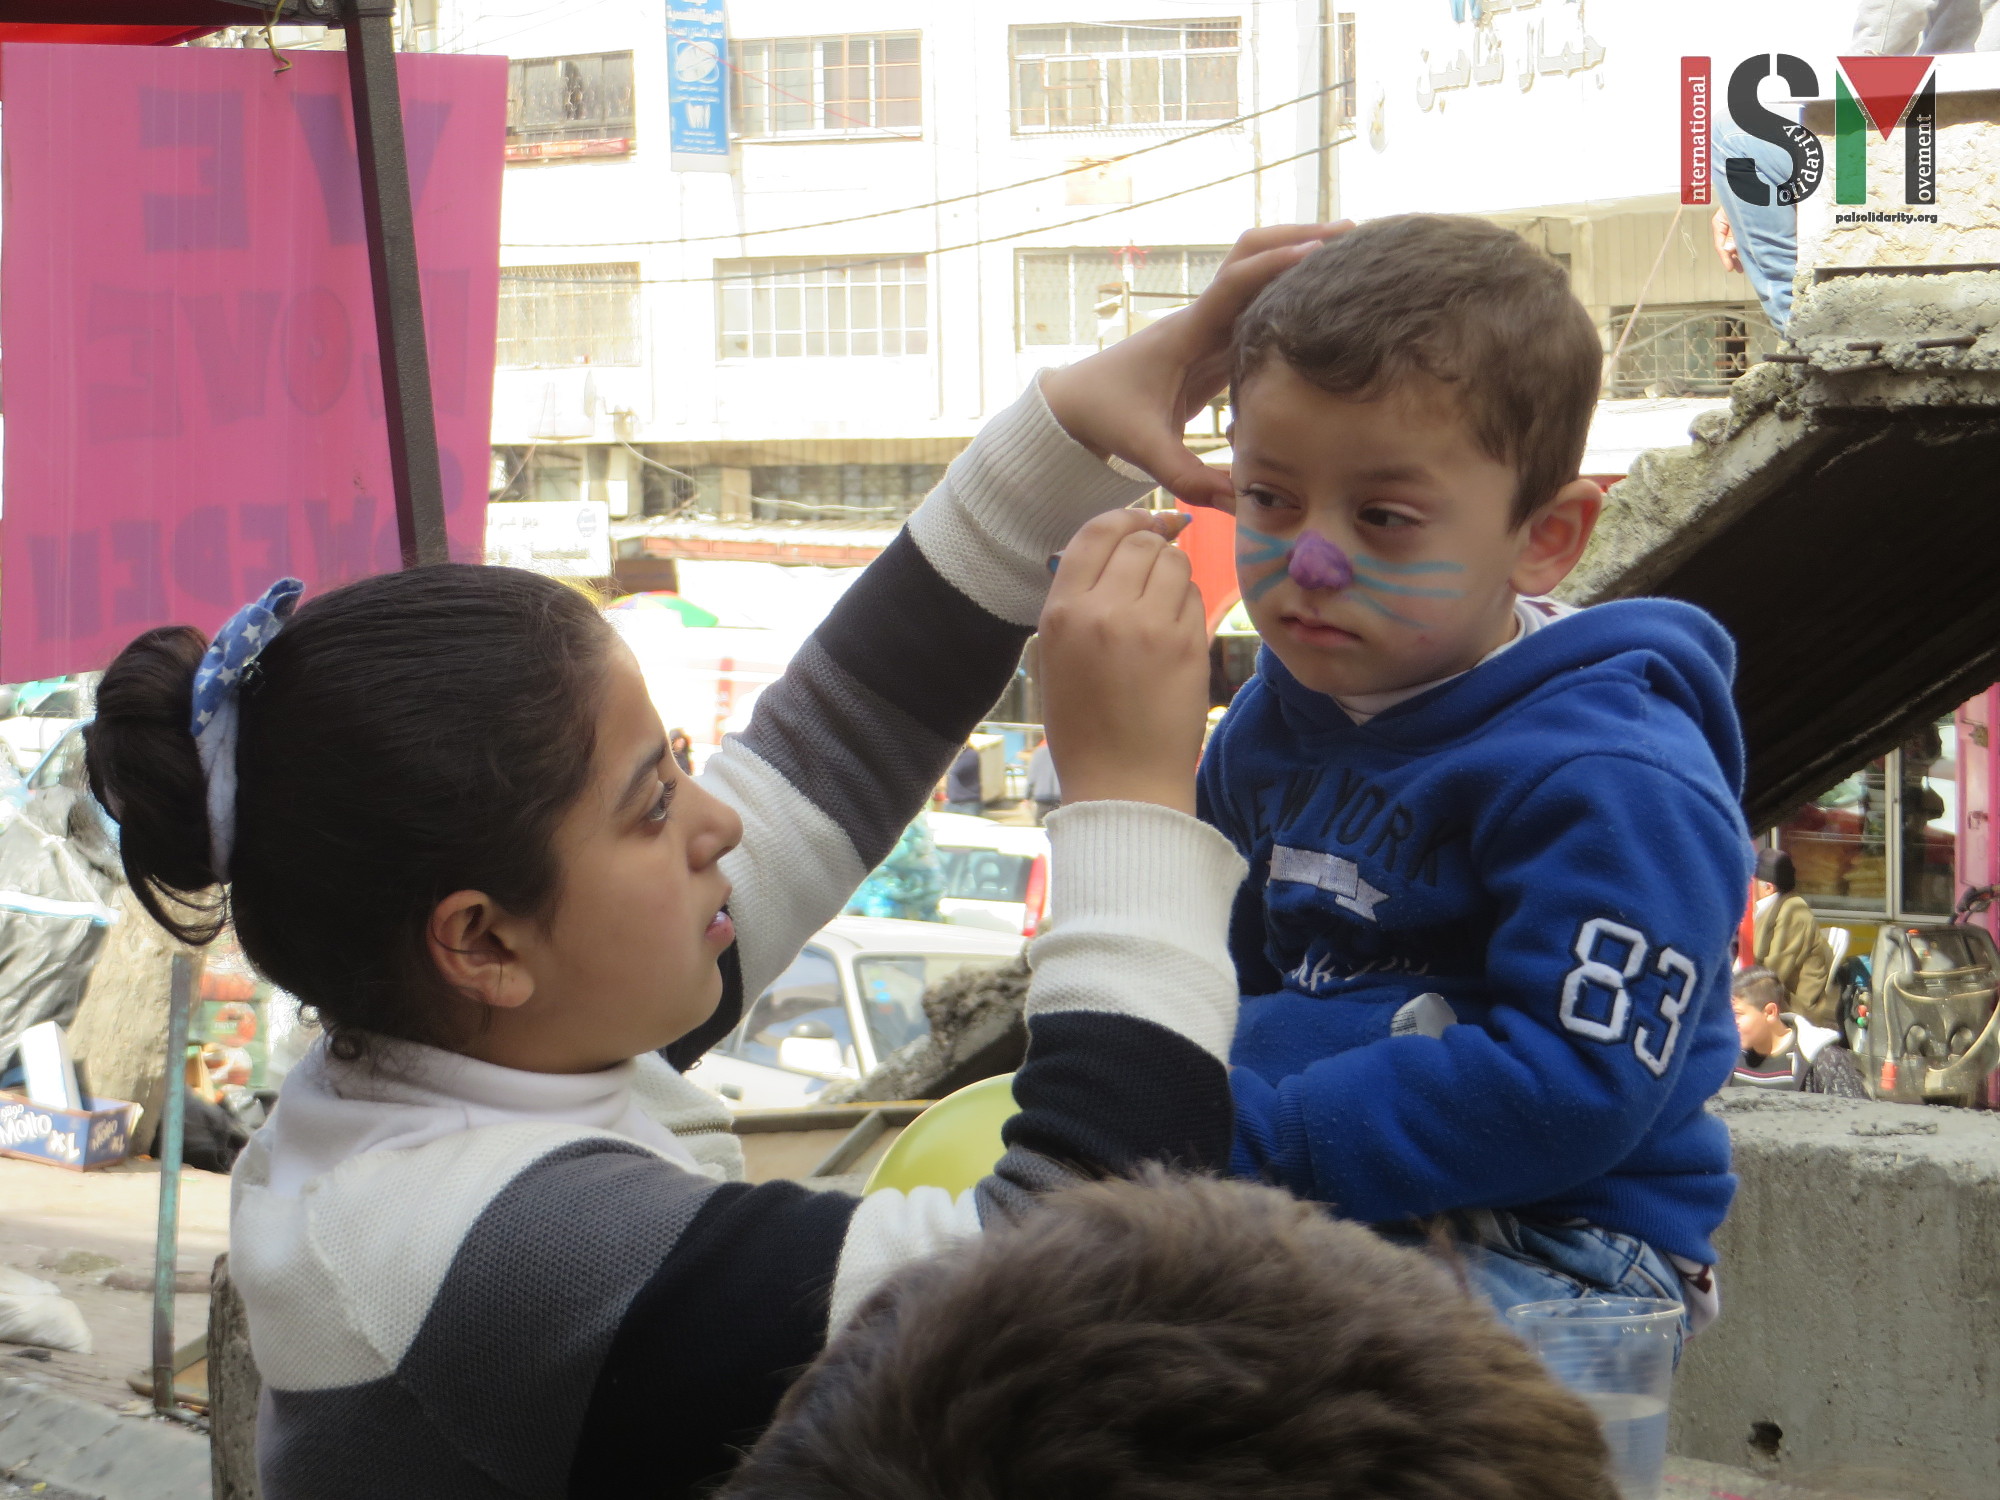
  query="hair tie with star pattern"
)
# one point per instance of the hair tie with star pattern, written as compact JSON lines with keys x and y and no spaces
{"x":218,"y":684}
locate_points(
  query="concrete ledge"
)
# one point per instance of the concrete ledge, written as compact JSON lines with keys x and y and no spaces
{"x":81,"y":1446}
{"x":1859,"y":1344}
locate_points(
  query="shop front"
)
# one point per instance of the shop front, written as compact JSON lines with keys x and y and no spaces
{"x":1901,"y":838}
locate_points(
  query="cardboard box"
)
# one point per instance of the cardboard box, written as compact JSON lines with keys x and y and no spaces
{"x":97,"y":1135}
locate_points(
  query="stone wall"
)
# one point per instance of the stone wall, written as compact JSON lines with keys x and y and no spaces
{"x":1859,"y":1345}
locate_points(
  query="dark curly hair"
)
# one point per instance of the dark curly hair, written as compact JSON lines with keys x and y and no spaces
{"x":1177,"y":1339}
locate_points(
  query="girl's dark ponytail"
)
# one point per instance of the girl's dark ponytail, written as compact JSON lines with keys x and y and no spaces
{"x":402,"y":737}
{"x":144,"y":769}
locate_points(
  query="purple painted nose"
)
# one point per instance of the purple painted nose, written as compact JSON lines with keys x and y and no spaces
{"x":1320,"y":564}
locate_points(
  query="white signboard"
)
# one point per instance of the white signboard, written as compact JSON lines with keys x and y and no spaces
{"x":561,"y":538}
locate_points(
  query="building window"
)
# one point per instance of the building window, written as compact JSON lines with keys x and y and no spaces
{"x":828,"y":85}
{"x":569,"y":315}
{"x":1693,"y":350}
{"x":1883,"y":841}
{"x":1085,"y":77}
{"x":569,"y":106}
{"x":1092,"y":297}
{"x":840,"y":492}
{"x":807,"y":307}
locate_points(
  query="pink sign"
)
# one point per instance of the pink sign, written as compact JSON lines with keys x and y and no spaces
{"x":193,"y":398}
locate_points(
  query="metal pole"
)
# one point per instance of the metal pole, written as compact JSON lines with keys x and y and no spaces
{"x":166,"y":1244}
{"x":392,"y":265}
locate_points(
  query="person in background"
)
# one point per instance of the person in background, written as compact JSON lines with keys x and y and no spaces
{"x":1783,"y":1050}
{"x":962,"y":792}
{"x":1761,"y":240}
{"x":1889,"y":28}
{"x":681,"y":748}
{"x":1787,"y":939}
{"x":1043,"y":787}
{"x":907,"y":884}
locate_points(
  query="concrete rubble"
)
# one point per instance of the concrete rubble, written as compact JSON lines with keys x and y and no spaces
{"x":976,"y":1031}
{"x":1868,"y":348}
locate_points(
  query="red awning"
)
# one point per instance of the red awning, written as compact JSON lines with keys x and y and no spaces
{"x":120,"y":23}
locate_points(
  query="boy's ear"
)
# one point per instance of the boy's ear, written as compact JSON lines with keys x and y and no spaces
{"x":1554,"y":537}
{"x":471,"y":940}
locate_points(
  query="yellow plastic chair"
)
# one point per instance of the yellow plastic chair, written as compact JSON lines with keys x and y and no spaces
{"x":952,"y":1144}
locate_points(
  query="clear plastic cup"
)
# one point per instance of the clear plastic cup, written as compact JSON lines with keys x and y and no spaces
{"x":1618,"y":1354}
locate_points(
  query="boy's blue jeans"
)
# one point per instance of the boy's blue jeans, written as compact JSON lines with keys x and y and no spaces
{"x":1510,"y":1260}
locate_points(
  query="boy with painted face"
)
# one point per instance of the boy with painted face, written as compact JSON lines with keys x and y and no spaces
{"x":1496,"y":855}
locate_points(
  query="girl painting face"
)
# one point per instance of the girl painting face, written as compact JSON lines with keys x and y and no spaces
{"x":1376,"y":542}
{"x":627,"y":962}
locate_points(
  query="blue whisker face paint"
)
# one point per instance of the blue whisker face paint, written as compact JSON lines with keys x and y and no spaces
{"x":1406,"y":590}
{"x":1376,"y":565}
{"x":1382,"y":609}
{"x":1315,"y":562}
{"x":1255,"y":549}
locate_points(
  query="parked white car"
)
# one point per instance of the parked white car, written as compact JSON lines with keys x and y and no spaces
{"x":852,"y":996}
{"x":40,"y":714}
{"x":996,"y":874}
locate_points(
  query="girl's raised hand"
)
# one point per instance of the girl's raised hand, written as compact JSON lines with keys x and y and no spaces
{"x":1124,"y":647}
{"x":1134,"y":400}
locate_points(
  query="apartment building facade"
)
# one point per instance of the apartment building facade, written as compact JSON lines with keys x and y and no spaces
{"x":927,"y":203}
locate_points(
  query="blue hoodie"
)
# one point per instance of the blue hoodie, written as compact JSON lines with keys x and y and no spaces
{"x":1552,"y":843}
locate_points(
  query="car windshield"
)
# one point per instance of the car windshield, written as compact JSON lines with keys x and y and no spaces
{"x":985,"y":874}
{"x":804,"y":1001}
{"x":892,"y":991}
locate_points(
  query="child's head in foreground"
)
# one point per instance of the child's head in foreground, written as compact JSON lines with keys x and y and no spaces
{"x":456,"y":820}
{"x":1414,"y":397}
{"x":1176,"y":1339}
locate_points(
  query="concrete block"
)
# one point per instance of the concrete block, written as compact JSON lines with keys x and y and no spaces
{"x":1859,"y":1344}
{"x":80,"y":1446}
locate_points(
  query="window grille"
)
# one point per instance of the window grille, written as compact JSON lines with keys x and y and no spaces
{"x":806,"y":307}
{"x":569,"y":315}
{"x":1057,"y":292}
{"x":1690,"y":350}
{"x":827,"y":85}
{"x":1090,"y":77}
{"x":570,"y":106}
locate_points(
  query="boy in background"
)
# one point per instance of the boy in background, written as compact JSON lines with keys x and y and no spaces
{"x":1784,"y":1050}
{"x":1496,"y":856}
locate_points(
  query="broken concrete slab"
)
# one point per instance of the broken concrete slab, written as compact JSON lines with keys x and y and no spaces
{"x":1860,"y":1275}
{"x":976,"y":1031}
{"x":1836,"y":518}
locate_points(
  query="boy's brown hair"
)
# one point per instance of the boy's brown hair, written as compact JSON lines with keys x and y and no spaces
{"x":1174,"y":1338}
{"x":1456,"y":299}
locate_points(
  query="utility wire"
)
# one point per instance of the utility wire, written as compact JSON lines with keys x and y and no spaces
{"x":884,"y":213}
{"x":991,"y":239}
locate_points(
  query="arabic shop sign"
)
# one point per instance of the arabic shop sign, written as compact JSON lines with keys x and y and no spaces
{"x":1520,"y":53}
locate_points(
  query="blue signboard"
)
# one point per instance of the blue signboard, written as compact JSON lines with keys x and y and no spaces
{"x":698,"y":85}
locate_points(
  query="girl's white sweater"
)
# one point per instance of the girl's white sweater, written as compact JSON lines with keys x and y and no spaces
{"x":464,"y":1280}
